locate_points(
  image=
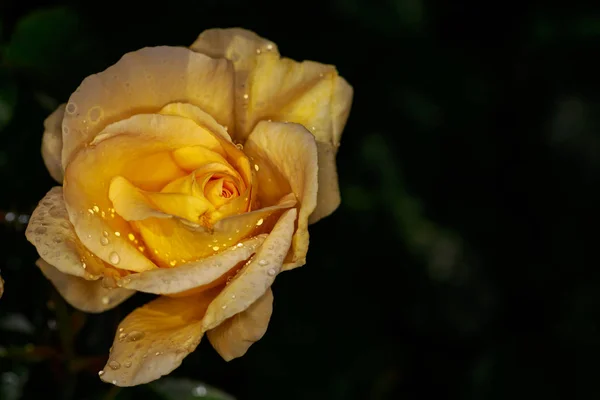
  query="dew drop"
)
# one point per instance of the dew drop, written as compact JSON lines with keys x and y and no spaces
{"x":100,"y":373}
{"x":91,"y":211}
{"x":271,"y":272}
{"x":114,"y":382}
{"x":240,"y":245}
{"x":71,"y":108}
{"x":131,"y":237}
{"x":158,"y":353}
{"x":172,"y":263}
{"x":263,"y":262}
{"x":199,"y":391}
{"x":127,"y":364}
{"x":121,"y":329}
{"x":256,"y":167}
{"x":105,"y":300}
{"x":258,"y":51}
{"x":105,"y":234}
{"x":96,"y":209}
{"x":83,"y":265}
{"x":114,"y":365}
{"x":114,"y":258}
{"x":270,"y":47}
{"x":117,"y":233}
{"x":95,"y":114}
{"x":233,"y":296}
{"x":135,"y":336}
{"x":259,"y":222}
{"x":216,"y":248}
{"x":103,"y":241}
{"x":122,"y":335}
{"x":246,"y":96}
{"x":224,"y":307}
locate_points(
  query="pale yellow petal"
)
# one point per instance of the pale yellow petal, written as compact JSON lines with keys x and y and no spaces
{"x":256,"y":277}
{"x":292,"y":151}
{"x":52,"y":143}
{"x":173,"y":240}
{"x":234,"y":337}
{"x":88,"y":176}
{"x":328,"y":196}
{"x":54,"y":237}
{"x":84,"y":295}
{"x":154,"y":339}
{"x":144,"y":81}
{"x":133,"y":204}
{"x":202,"y":273}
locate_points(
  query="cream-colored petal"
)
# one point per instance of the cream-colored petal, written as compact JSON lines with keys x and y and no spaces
{"x":256,"y":277}
{"x":52,"y":143}
{"x":292,"y":151}
{"x":234,"y":337}
{"x":192,"y":275}
{"x":84,"y":295}
{"x":328,"y":196}
{"x":88,"y":176}
{"x":154,"y":339}
{"x":51,"y":232}
{"x":144,"y":81}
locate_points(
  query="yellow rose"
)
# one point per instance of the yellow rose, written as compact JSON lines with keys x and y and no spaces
{"x":192,"y":174}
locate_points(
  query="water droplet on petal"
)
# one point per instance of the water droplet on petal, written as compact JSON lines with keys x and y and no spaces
{"x":114,"y":258}
{"x":134,"y":336}
{"x":100,"y":373}
{"x":104,"y":241}
{"x":131,"y":237}
{"x":271,"y":272}
{"x":105,"y":300}
{"x":263,"y":262}
{"x":256,"y":167}
{"x":71,"y":108}
{"x":216,"y":248}
{"x":199,"y":391}
{"x":96,"y":209}
{"x":117,"y":234}
{"x":114,"y":365}
{"x":246,"y":96}
{"x":259,"y":222}
{"x":127,"y":364}
{"x":105,"y":234}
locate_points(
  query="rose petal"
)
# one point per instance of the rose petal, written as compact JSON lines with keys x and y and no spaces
{"x":144,"y":81}
{"x":88,"y":176}
{"x":234,"y":337}
{"x":87,"y":296}
{"x":133,"y":204}
{"x":52,"y":143}
{"x":173,"y":240}
{"x":328,"y":196}
{"x":268,"y":87}
{"x":154,"y":339}
{"x":54,"y":237}
{"x":256,"y":277}
{"x":290,"y":150}
{"x":192,"y":275}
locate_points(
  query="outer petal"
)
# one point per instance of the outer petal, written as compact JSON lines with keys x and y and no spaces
{"x":54,"y":237}
{"x":268,"y":87}
{"x":112,"y":153}
{"x":256,"y":277}
{"x":87,"y":296}
{"x":234,"y":337}
{"x":202,"y":273}
{"x":144,"y":81}
{"x":290,"y":150}
{"x":153,"y":340}
{"x":52,"y":143}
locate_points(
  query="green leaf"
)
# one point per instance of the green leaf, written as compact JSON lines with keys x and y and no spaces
{"x":44,"y":40}
{"x":186,"y":389}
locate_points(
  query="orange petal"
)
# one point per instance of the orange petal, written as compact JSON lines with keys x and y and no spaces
{"x":290,"y":150}
{"x":192,"y":275}
{"x":51,"y":232}
{"x":143,"y":82}
{"x":256,"y":277}
{"x":84,"y":295}
{"x":52,"y":143}
{"x":88,"y":176}
{"x":154,"y":339}
{"x":234,"y":337}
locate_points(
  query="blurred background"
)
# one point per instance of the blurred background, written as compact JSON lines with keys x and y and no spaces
{"x":462,"y":261}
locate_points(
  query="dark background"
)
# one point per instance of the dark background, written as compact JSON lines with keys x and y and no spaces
{"x":462,"y":263}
